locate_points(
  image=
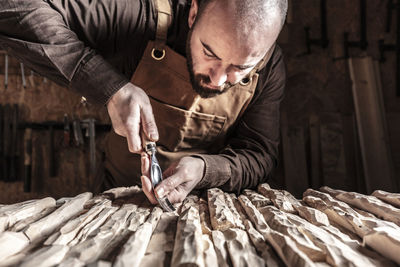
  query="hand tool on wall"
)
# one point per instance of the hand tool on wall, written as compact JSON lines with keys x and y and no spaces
{"x":5,"y":71}
{"x":6,"y":141}
{"x":23,"y":74}
{"x":362,"y":43}
{"x":27,"y":160}
{"x":392,"y":47}
{"x":389,"y":10}
{"x":67,"y":133}
{"x":323,"y":41}
{"x":156,"y":174}
{"x":51,"y":152}
{"x":78,"y":137}
{"x":90,"y":126}
{"x":14,"y":145}
{"x":2,"y":166}
{"x":32,"y":79}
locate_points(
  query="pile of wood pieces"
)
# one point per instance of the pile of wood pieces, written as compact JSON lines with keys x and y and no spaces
{"x":267,"y":227}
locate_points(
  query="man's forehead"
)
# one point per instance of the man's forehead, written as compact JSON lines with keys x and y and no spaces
{"x":224,"y":44}
{"x":217,"y":26}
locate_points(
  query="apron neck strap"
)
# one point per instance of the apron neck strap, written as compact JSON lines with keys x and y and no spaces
{"x":164,"y":18}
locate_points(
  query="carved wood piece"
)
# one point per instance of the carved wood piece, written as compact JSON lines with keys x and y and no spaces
{"x":12,"y":243}
{"x":220,"y":214}
{"x":209,"y":254}
{"x":46,"y":256}
{"x":283,"y":245}
{"x":188,"y":246}
{"x":71,"y":229}
{"x":23,"y":211}
{"x":48,"y":224}
{"x":391,"y":198}
{"x":283,"y":200}
{"x":240,"y":248}
{"x":135,"y":248}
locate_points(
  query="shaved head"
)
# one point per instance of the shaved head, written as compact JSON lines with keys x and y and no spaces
{"x":227,"y":39}
{"x":252,"y":13}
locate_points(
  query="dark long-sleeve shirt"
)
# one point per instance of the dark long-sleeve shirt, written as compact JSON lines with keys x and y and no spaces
{"x":94,"y":46}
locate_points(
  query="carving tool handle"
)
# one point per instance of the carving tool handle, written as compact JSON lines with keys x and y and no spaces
{"x":27,"y":159}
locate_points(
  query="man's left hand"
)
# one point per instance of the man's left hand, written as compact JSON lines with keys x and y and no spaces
{"x":179,"y":179}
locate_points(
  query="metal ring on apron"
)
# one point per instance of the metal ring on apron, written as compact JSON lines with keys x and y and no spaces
{"x":245,"y":81}
{"x":155,"y":53}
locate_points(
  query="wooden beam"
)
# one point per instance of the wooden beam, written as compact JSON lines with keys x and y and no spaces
{"x":370,"y":114}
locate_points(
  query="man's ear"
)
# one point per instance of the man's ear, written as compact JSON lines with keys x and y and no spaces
{"x":193,"y":12}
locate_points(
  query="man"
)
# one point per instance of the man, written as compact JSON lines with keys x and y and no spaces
{"x":207,"y":82}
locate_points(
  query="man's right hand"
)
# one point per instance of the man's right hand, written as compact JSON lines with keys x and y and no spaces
{"x":130,"y":112}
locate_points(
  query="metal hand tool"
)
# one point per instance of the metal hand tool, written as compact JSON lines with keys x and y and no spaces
{"x":23,"y":74}
{"x":78,"y":137}
{"x":67,"y":134}
{"x":51,"y":153}
{"x":2,"y":166}
{"x":90,"y":126}
{"x":32,"y":79}
{"x":5,"y":71}
{"x":6,"y":141}
{"x":156,"y":175}
{"x":13,"y":171}
{"x":27,"y":159}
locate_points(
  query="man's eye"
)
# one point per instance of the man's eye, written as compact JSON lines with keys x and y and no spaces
{"x":207,"y":54}
{"x":241,"y":69}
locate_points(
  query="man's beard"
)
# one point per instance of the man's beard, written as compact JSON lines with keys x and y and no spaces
{"x":198,"y":79}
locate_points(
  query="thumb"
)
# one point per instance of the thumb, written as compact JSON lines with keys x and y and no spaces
{"x":148,"y":123}
{"x":147,"y":189}
{"x":168,"y":185}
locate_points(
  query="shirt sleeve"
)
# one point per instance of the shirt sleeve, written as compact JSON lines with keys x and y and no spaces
{"x":251,"y":153}
{"x":61,"y":40}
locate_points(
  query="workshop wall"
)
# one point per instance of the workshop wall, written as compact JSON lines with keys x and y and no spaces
{"x":318,"y":102}
{"x":319,"y":88}
{"x":44,"y":102}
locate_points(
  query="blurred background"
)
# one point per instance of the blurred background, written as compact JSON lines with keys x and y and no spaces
{"x":340,"y":119}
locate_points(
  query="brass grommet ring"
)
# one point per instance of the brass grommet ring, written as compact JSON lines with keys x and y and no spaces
{"x":157,"y":54}
{"x":245,"y":81}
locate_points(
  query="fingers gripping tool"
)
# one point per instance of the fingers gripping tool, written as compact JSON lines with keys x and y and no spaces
{"x":156,"y":175}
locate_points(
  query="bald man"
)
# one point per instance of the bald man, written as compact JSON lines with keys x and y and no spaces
{"x":204,"y":79}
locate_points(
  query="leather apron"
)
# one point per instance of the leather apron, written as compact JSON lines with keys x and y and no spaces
{"x":187,"y":123}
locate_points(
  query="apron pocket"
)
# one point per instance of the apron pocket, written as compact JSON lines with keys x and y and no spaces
{"x":182,"y":129}
{"x":201,"y":130}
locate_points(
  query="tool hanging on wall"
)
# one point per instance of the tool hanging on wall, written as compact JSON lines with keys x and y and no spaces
{"x":392,"y":47}
{"x":32,"y":79}
{"x":27,"y":159}
{"x":5,"y":70}
{"x":51,"y":151}
{"x":362,"y":43}
{"x":323,"y":41}
{"x":2,"y":165}
{"x":23,"y":74}
{"x":78,"y":137}
{"x":90,"y":126}
{"x":67,"y":132}
{"x":6,"y":141}
{"x":13,"y":172}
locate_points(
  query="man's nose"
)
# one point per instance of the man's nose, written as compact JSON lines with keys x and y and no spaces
{"x":218,"y":76}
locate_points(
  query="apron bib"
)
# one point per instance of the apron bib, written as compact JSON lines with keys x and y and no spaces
{"x":187,"y":124}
